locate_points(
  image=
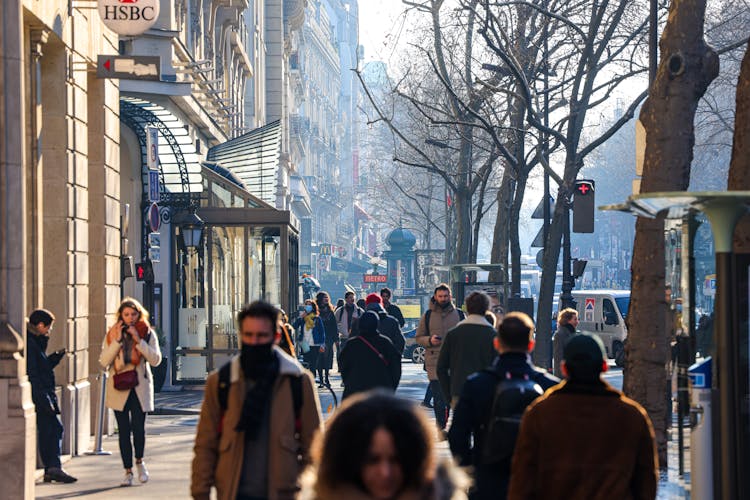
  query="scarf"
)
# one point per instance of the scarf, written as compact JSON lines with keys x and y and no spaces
{"x":257,"y":397}
{"x":310,"y":320}
{"x":128,"y":354}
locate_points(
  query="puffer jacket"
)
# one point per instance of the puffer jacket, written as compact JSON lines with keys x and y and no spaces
{"x":441,"y":320}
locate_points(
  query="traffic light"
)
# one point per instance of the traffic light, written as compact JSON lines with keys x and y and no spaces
{"x":583,"y":206}
{"x":144,"y":271}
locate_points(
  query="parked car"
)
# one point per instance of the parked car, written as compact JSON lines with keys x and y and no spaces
{"x":412,"y":350}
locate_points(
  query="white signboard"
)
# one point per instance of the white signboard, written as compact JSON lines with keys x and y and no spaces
{"x":129,"y":17}
{"x":152,"y":148}
{"x":154,"y":239}
{"x":154,"y":254}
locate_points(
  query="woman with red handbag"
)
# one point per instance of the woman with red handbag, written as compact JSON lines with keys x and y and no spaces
{"x":129,"y":347}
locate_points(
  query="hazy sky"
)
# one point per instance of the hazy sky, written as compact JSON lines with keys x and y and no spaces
{"x":380,"y":23}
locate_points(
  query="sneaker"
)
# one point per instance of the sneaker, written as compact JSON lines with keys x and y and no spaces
{"x":142,"y":472}
{"x":58,"y":475}
{"x":128,"y":480}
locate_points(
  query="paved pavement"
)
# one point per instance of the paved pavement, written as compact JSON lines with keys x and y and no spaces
{"x":169,"y":439}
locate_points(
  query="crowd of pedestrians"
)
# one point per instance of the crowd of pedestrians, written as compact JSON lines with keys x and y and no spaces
{"x":516,"y":431}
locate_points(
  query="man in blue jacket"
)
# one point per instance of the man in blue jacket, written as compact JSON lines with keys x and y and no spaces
{"x":39,"y":368}
{"x":514,"y":343}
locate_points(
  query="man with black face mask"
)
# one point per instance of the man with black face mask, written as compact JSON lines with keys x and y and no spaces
{"x":259,"y":416}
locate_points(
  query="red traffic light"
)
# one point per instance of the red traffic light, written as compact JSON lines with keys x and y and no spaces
{"x":144,"y":271}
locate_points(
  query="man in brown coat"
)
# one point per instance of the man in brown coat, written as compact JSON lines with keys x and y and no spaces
{"x":257,"y":443}
{"x":583,"y":438}
{"x":435,"y":323}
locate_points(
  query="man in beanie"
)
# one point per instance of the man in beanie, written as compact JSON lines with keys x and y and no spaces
{"x":387,"y":325}
{"x":601,"y":445}
{"x":369,"y":360}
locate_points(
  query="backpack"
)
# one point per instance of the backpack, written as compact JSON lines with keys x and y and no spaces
{"x":512,"y":395}
{"x":295,"y":383}
{"x":461,"y":317}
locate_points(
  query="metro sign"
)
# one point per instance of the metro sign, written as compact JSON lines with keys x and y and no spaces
{"x":375,"y":278}
{"x":129,"y":67}
{"x":129,"y":17}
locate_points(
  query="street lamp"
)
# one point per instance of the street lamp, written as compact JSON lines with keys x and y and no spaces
{"x":192,"y":231}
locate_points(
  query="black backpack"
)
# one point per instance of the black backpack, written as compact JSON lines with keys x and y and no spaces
{"x":512,"y":395}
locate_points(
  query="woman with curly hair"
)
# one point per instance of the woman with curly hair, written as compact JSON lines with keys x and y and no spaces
{"x":379,"y":446}
{"x":129,"y":350}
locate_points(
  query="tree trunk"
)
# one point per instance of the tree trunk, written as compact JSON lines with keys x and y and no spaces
{"x":686,"y":68}
{"x":739,"y":168}
{"x":515,"y":243}
{"x":499,"y":253}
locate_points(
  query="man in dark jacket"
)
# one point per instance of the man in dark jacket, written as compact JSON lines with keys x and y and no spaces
{"x":369,"y":360}
{"x":467,"y":348}
{"x":606,"y":449}
{"x":514,"y":342}
{"x":388,"y":325}
{"x":567,"y":322}
{"x":39,"y":368}
{"x":390,"y":307}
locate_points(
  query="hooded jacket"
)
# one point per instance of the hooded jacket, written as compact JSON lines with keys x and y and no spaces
{"x":441,"y":320}
{"x":218,"y":456}
{"x":388,"y":326}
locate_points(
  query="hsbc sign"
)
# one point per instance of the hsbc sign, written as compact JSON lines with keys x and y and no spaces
{"x":129,"y":17}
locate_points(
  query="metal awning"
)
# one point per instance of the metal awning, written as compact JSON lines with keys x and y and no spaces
{"x":254,"y":159}
{"x":179,"y":168}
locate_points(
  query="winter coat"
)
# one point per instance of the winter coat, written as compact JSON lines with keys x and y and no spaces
{"x":563,"y":334}
{"x":150,"y":356}
{"x":467,"y":348}
{"x":387,"y":325}
{"x":600,"y":445}
{"x":362,"y":369}
{"x":342,"y":322}
{"x":332,"y":335}
{"x":449,"y":483}
{"x":218,"y":457}
{"x":40,"y":370}
{"x":318,"y":332}
{"x":471,"y":415}
{"x":441,"y":320}
{"x":395,"y":311}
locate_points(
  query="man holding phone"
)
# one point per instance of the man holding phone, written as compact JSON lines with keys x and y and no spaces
{"x":434,"y":324}
{"x":39,"y":368}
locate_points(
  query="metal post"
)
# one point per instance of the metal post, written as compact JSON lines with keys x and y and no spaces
{"x":100,"y":418}
{"x":724,"y":216}
{"x":545,"y":136}
{"x":566,"y":298}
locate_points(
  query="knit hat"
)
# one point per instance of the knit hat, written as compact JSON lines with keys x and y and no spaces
{"x":368,"y":323}
{"x":584,"y":355}
{"x":373,"y":298}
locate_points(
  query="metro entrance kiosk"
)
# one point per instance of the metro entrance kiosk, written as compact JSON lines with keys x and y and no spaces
{"x":720,"y":456}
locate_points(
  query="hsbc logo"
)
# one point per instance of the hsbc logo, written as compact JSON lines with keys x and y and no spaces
{"x":129,"y":17}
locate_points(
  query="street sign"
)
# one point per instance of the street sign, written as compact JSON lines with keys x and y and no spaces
{"x":129,"y":67}
{"x":152,"y":148}
{"x":153,"y":186}
{"x":540,"y":258}
{"x":154,"y":221}
{"x":538,"y":239}
{"x":129,"y":17}
{"x":589,"y":309}
{"x":374,"y":278}
{"x":154,"y":254}
{"x":539,"y":210}
{"x":154,"y":239}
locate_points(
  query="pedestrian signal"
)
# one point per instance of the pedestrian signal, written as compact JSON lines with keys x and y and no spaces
{"x":583,"y":206}
{"x":144,"y":271}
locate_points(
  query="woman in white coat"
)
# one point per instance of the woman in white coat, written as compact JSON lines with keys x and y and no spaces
{"x":130,"y":346}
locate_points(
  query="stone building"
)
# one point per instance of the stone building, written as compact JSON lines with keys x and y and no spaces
{"x":59,"y":191}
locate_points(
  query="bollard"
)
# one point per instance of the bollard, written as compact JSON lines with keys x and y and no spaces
{"x":701,"y":439}
{"x":100,"y":418}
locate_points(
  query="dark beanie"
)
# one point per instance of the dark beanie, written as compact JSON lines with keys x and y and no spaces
{"x":368,"y":323}
{"x":584,"y":355}
{"x":373,"y":298}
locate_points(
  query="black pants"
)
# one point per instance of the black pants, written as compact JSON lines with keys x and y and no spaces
{"x":439,"y":405}
{"x":131,"y":420}
{"x":49,"y":431}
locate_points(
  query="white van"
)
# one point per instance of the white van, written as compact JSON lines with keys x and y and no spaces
{"x":603,"y":312}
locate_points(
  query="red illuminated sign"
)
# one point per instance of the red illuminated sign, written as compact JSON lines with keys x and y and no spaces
{"x":375,"y":278}
{"x":584,"y":188}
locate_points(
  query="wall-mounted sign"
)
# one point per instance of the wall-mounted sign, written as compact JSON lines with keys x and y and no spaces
{"x":152,"y":148}
{"x":129,"y":17}
{"x":129,"y":67}
{"x":153,"y":186}
{"x":154,"y":221}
